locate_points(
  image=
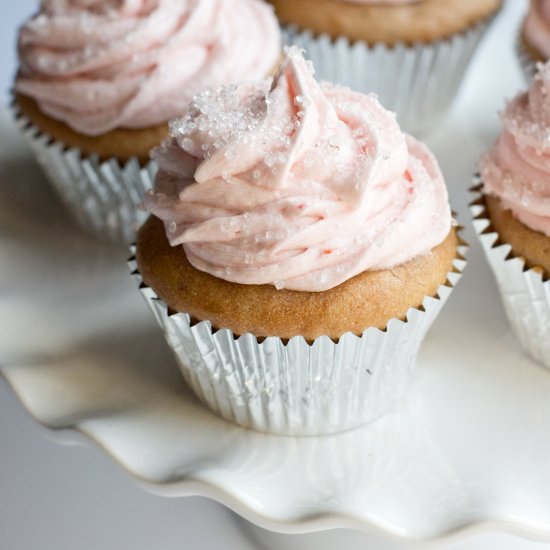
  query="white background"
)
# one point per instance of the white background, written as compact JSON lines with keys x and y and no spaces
{"x":55,"y":497}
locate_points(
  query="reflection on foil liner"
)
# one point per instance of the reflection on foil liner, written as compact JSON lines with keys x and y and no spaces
{"x":103,"y":197}
{"x":525,"y":291}
{"x":295,"y":387}
{"x":418,"y":82}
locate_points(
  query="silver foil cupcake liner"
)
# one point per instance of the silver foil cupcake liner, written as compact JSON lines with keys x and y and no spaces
{"x":527,"y":62}
{"x":418,"y":82}
{"x":294,"y":387}
{"x":525,"y":292}
{"x":102,"y":196}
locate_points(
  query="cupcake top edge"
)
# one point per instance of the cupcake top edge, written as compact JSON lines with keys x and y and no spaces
{"x":296,"y":184}
{"x":517,"y":167}
{"x":98,"y":65}
{"x":536,"y":27}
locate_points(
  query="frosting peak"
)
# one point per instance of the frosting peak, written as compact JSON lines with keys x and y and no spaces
{"x":296,"y":184}
{"x":517,"y":168}
{"x":101,"y":64}
{"x":273,"y":137}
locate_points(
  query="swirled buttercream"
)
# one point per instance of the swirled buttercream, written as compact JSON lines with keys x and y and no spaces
{"x":103,"y":64}
{"x":536,"y":27}
{"x":296,"y":184}
{"x":517,"y":168}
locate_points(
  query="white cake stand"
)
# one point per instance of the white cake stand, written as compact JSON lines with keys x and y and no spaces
{"x":467,"y":453}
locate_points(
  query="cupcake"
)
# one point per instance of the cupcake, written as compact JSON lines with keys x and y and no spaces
{"x":512,"y":214}
{"x":534,"y":38}
{"x":413,"y":54}
{"x":99,"y":80}
{"x":299,"y":249}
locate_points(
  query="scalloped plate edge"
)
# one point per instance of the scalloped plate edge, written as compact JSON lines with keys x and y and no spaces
{"x":189,"y":486}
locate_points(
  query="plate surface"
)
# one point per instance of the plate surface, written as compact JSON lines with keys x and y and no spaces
{"x":466,"y":452}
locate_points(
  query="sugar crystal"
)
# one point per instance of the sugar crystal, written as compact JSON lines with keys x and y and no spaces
{"x":280,"y":284}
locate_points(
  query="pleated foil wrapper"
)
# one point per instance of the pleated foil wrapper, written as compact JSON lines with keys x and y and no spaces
{"x":297,"y":387}
{"x":418,"y":82}
{"x":102,"y":196}
{"x":525,"y":292}
{"x":527,"y":62}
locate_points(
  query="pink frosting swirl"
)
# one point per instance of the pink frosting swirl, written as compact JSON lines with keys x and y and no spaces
{"x":103,"y":64}
{"x":536,"y":27}
{"x":296,"y":184}
{"x":517,"y":168}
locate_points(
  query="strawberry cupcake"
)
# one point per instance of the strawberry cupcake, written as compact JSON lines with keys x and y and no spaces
{"x":512,"y":214}
{"x":300,"y":247}
{"x":98,"y":81}
{"x":412,"y":53}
